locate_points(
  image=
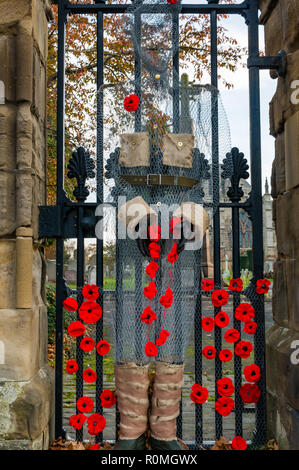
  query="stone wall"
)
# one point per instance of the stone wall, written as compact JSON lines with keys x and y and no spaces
{"x":26,"y":382}
{"x":281,"y":20}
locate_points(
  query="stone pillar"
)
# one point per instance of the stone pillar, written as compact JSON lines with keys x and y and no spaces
{"x":281,"y":20}
{"x":26,"y":381}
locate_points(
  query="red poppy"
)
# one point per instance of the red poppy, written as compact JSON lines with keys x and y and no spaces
{"x":172,"y":2}
{"x":85,"y":404}
{"x":148,"y":316}
{"x":87,"y":344}
{"x":207,"y":285}
{"x":225,"y":387}
{"x":224,"y":405}
{"x":199,"y":394}
{"x":72,"y":366}
{"x":162,"y":338}
{"x":103,"y":347}
{"x":175,"y":221}
{"x":77,"y":421}
{"x":154,"y":250}
{"x":250,"y":327}
{"x":232,"y":335}
{"x":167,"y":299}
{"x":150,"y":349}
{"x":150,"y":291}
{"x":151,"y":269}
{"x":90,"y":292}
{"x":243,"y":349}
{"x":219,"y":297}
{"x":108,"y":399}
{"x":250,"y":393}
{"x":238,"y":443}
{"x":94,"y":447}
{"x":154,"y":232}
{"x":96,"y":423}
{"x":90,"y":312}
{"x":252,"y":373}
{"x":207,"y":323}
{"x":244,"y":312}
{"x":262,"y":286}
{"x":209,"y":352}
{"x":76,"y":328}
{"x":131,"y":103}
{"x":225,"y":355}
{"x":173,"y":254}
{"x":222,"y":319}
{"x":70,"y":304}
{"x":89,"y":376}
{"x":236,"y":285}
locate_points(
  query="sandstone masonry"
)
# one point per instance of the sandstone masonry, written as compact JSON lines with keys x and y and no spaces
{"x":281,"y":20}
{"x":26,"y":382}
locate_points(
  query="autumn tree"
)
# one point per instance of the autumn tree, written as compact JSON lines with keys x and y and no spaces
{"x":81,"y":69}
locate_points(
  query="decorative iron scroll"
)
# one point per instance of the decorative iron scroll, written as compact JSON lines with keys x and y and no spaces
{"x":81,"y":167}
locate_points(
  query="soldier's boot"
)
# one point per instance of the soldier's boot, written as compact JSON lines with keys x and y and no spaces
{"x":167,"y":389}
{"x":131,"y":384}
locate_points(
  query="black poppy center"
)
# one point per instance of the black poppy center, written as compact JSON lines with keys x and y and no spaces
{"x":209,"y":352}
{"x":84,"y":405}
{"x":222,"y":318}
{"x":225,"y":386}
{"x":220,"y":297}
{"x":89,"y":310}
{"x":253,"y":373}
{"x":245,"y":348}
{"x":94,"y":423}
{"x":90,"y":292}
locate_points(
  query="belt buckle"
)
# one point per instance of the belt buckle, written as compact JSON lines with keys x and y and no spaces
{"x":148,"y":179}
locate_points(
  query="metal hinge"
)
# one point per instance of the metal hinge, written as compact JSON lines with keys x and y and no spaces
{"x":278,"y":63}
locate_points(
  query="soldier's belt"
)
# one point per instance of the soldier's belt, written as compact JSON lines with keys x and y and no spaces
{"x":159,"y":180}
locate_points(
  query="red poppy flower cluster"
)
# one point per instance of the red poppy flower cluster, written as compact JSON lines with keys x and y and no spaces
{"x":235,"y":285}
{"x":108,"y":399}
{"x":238,"y":443}
{"x":262,"y":286}
{"x":250,"y":393}
{"x":207,"y":285}
{"x":244,"y":312}
{"x":252,"y":373}
{"x":131,"y":103}
{"x":167,"y":299}
{"x":221,"y":319}
{"x":89,"y":312}
{"x":103,"y":347}
{"x":95,"y":423}
{"x":199,"y":394}
{"x":224,"y":405}
{"x":162,"y":337}
{"x":148,"y":316}
{"x":208,"y":323}
{"x":85,"y":404}
{"x":219,"y":297}
{"x":225,"y":387}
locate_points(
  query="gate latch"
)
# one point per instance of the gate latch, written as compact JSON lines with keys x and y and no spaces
{"x":278,"y":63}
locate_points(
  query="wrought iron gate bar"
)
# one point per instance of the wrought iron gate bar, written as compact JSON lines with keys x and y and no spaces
{"x":100,"y":199}
{"x":185,"y":8}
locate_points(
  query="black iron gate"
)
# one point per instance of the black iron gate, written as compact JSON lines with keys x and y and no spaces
{"x":77,"y":219}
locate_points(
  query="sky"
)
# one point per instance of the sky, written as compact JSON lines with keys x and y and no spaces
{"x":236,"y":100}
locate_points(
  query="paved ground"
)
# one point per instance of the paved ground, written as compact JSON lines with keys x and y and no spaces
{"x":188,"y":406}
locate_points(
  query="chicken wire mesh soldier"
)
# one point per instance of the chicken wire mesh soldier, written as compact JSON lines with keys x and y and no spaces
{"x":161,"y":169}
